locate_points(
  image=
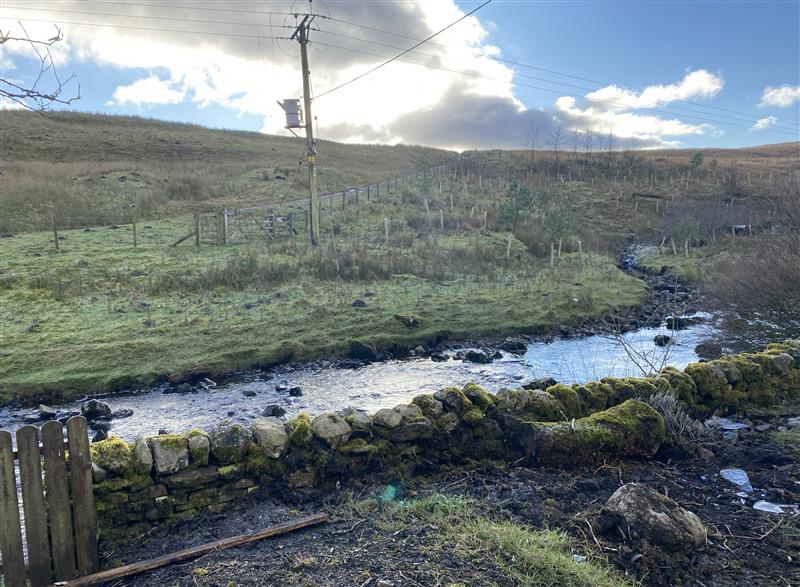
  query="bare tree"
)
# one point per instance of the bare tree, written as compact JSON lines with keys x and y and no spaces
{"x":555,"y":141}
{"x":575,"y":141}
{"x":47,"y":87}
{"x":533,"y":136}
{"x":588,"y":143}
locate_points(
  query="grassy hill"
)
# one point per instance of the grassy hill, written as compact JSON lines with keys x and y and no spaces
{"x":90,"y":168}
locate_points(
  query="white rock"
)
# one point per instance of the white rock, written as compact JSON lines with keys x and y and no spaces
{"x":170,"y":453}
{"x":270,"y":434}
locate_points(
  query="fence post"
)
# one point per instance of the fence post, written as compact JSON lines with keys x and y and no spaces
{"x":224,"y":226}
{"x":386,"y":229}
{"x":10,"y":531}
{"x":197,"y":230}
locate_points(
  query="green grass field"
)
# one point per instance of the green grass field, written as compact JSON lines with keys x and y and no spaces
{"x":99,"y":315}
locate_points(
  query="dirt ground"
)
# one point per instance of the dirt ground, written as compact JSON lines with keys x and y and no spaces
{"x":363,"y":545}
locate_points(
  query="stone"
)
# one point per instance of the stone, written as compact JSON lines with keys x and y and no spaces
{"x":409,"y":411}
{"x":142,"y":455}
{"x":542,"y":383}
{"x":100,"y":436}
{"x":191,"y":478}
{"x":362,"y":352}
{"x":93,"y":409}
{"x":199,"y":449}
{"x":295,"y":391}
{"x":387,"y":418}
{"x":273,"y":411}
{"x":270,"y":435}
{"x":359,"y":420}
{"x":359,"y":304}
{"x":102,"y":424}
{"x":113,"y":454}
{"x":47,"y":413}
{"x":249,"y":393}
{"x":708,"y":350}
{"x":229,"y":442}
{"x":662,"y":340}
{"x":644,"y":513}
{"x":453,"y":399}
{"x":99,"y":474}
{"x":515,"y":346}
{"x":170,"y":453}
{"x":412,"y":430}
{"x":431,"y":408}
{"x":477,"y":357}
{"x":408,"y":321}
{"x":438,"y":357}
{"x":123,"y":413}
{"x":331,"y":428}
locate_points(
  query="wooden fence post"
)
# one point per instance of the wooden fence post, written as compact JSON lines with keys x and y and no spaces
{"x":10,"y":529}
{"x":386,"y":229}
{"x":197,"y":230}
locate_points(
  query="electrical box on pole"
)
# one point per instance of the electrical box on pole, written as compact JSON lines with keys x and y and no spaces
{"x":294,"y":113}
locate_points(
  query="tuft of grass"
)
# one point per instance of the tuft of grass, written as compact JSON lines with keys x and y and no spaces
{"x":681,"y":429}
{"x":526,"y":556}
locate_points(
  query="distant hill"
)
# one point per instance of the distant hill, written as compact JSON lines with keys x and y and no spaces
{"x":90,"y":165}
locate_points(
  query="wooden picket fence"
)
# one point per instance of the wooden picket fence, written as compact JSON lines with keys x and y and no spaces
{"x":59,"y":514}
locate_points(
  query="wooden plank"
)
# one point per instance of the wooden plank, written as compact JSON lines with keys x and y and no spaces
{"x":57,"y":500}
{"x":10,"y":530}
{"x":80,"y":473}
{"x":30,"y":475}
{"x":194,"y":552}
{"x":41,"y":451}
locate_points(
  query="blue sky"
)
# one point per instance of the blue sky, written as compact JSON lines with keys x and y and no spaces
{"x":660,"y":66}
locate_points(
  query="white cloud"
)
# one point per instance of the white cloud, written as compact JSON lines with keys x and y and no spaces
{"x":400,"y":102}
{"x":614,"y":109}
{"x":781,"y":97}
{"x":148,"y":90}
{"x":765,"y":122}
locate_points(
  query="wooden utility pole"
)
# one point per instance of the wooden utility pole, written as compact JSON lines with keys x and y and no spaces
{"x":301,"y":34}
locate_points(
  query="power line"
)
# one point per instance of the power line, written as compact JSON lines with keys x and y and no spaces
{"x":387,"y":62}
{"x":138,"y":28}
{"x":119,"y":15}
{"x":556,"y":82}
{"x":560,"y":92}
{"x":529,"y":66}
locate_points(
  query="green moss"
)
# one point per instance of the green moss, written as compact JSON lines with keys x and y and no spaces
{"x":595,"y":396}
{"x":713,"y":389}
{"x":114,"y":455}
{"x":629,"y":429}
{"x":259,"y":463}
{"x":231,"y":471}
{"x":568,"y":398}
{"x":479,"y":396}
{"x":472,"y":415}
{"x":173,"y":440}
{"x":358,"y":446}
{"x":299,"y":429}
{"x":129,"y":482}
{"x":680,"y":383}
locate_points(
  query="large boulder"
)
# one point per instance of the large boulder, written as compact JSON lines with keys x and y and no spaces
{"x":94,"y":409}
{"x":642,"y":512}
{"x":362,"y":352}
{"x":229,"y":443}
{"x":170,"y":453}
{"x":270,"y":435}
{"x":331,"y":428}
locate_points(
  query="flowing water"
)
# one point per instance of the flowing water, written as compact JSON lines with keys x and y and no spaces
{"x":387,"y":383}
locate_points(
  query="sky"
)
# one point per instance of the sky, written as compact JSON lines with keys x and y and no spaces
{"x":629,"y":74}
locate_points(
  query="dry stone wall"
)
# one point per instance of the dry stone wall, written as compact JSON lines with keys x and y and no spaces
{"x":173,"y":477}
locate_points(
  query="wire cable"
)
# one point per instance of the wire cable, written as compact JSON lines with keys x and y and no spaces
{"x":399,"y":55}
{"x":561,"y":92}
{"x":529,"y":66}
{"x":138,"y":28}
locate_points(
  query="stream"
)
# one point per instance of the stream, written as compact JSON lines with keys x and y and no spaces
{"x":383,"y":384}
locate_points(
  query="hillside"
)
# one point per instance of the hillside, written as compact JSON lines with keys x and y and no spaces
{"x":92,"y":167}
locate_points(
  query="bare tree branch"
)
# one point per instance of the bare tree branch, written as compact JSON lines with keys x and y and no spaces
{"x":33,"y":96}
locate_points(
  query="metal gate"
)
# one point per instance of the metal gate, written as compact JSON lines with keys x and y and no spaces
{"x":59,"y":516}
